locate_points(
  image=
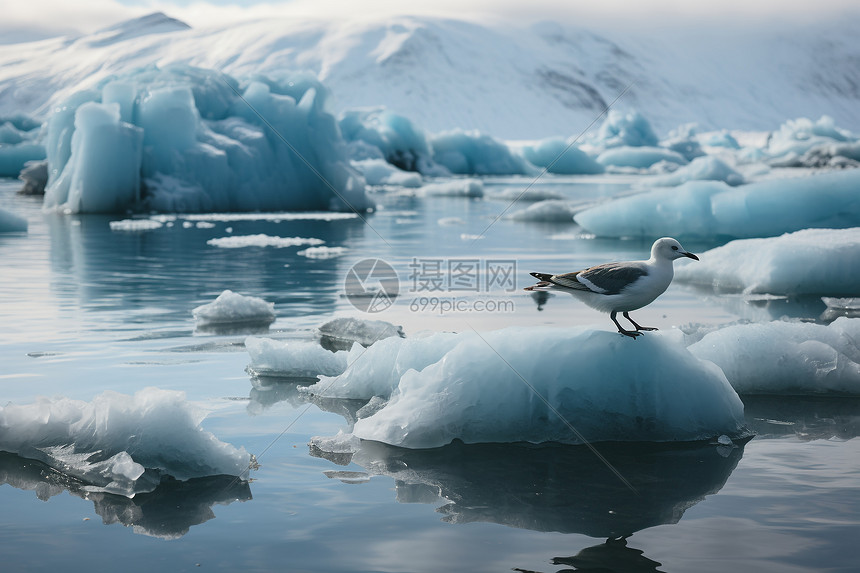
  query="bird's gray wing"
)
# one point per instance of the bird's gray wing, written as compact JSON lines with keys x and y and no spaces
{"x":569,"y":280}
{"x":611,"y":278}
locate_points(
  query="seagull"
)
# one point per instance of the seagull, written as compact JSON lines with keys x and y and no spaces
{"x":620,"y":287}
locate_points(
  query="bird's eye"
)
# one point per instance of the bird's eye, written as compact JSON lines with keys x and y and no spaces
{"x":674,"y":248}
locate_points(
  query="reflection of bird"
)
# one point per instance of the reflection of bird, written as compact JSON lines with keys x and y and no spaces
{"x":620,"y":287}
{"x":611,"y":557}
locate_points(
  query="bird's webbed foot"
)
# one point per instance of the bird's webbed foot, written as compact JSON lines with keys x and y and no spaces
{"x":637,"y":326}
{"x":631,"y":333}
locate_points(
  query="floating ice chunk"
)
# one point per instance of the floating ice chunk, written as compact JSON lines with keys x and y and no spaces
{"x":119,"y":443}
{"x":551,"y":211}
{"x":323,"y":252}
{"x":293,"y":359}
{"x":260,"y":240}
{"x":626,"y":129}
{"x":379,"y":374}
{"x":523,"y":194}
{"x":470,"y":387}
{"x":231,"y":307}
{"x":197,"y":144}
{"x":12,"y":223}
{"x":274,"y":217}
{"x":713,"y":209}
{"x":400,"y":142}
{"x":721,"y":139}
{"x":798,"y":136}
{"x":808,"y":262}
{"x":380,"y":172}
{"x":850,"y":303}
{"x":706,"y":168}
{"x":135,"y":225}
{"x":14,"y":157}
{"x":639,"y":157}
{"x":102,"y":174}
{"x":683,"y":140}
{"x":787,"y":357}
{"x":450,"y":221}
{"x":365,"y":332}
{"x":473,"y":153}
{"x":454,"y":188}
{"x":555,"y":155}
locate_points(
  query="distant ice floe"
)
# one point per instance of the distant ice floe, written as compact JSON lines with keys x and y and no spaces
{"x":523,"y":194}
{"x":558,"y":156}
{"x":19,"y":144}
{"x":12,"y":223}
{"x":551,"y":211}
{"x":639,"y":157}
{"x":118,"y":443}
{"x":261,"y":240}
{"x":380,"y":172}
{"x":824,"y":262}
{"x":231,"y":308}
{"x":184,"y":139}
{"x":803,"y":142}
{"x":787,"y":357}
{"x":323,"y":252}
{"x":454,"y":188}
{"x":135,"y":225}
{"x":709,"y":209}
{"x":473,"y":153}
{"x":484,"y":388}
{"x":707,"y":168}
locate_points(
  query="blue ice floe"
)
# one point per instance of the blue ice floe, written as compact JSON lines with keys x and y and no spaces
{"x":558,"y":156}
{"x":188,"y":139}
{"x":822,"y":262}
{"x":118,"y":443}
{"x":787,"y":357}
{"x":12,"y":223}
{"x":538,"y":385}
{"x":709,"y":209}
{"x":473,"y":153}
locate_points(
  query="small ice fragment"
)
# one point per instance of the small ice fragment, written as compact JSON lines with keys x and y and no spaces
{"x":231,"y":307}
{"x":724,"y":440}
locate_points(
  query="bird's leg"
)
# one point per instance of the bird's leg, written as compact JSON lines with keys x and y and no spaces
{"x":633,"y":322}
{"x":631,"y":333}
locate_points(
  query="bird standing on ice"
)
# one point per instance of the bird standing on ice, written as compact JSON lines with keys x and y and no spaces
{"x":620,"y":287}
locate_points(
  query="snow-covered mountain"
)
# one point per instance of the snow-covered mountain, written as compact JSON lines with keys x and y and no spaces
{"x":514,"y":82}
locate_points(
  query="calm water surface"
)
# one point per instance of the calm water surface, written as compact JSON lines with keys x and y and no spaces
{"x":85,"y":309}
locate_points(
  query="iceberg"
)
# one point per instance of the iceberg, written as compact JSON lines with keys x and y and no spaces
{"x":713,"y":209}
{"x":182,"y":139}
{"x":380,"y":172}
{"x":118,"y":443}
{"x":551,"y":211}
{"x":231,"y":307}
{"x":555,"y":155}
{"x":705,"y":168}
{"x":822,"y":262}
{"x":473,"y":153}
{"x":400,"y":142}
{"x":537,"y":385}
{"x":18,"y":144}
{"x":454,"y":188}
{"x":12,"y":223}
{"x":629,"y":129}
{"x":639,"y":157}
{"x":293,"y":359}
{"x":787,"y":357}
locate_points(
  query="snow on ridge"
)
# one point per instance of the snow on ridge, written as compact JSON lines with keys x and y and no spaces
{"x":543,"y":81}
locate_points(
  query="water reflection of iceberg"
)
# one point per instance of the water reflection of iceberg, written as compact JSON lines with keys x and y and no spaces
{"x":167,"y":512}
{"x":554,"y":487}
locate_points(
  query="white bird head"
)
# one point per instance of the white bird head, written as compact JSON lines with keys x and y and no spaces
{"x":669,"y":249}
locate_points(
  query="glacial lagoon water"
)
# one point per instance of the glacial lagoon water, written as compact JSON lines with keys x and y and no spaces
{"x":84,"y":309}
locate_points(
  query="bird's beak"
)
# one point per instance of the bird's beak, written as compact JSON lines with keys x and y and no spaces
{"x":692,"y":256}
